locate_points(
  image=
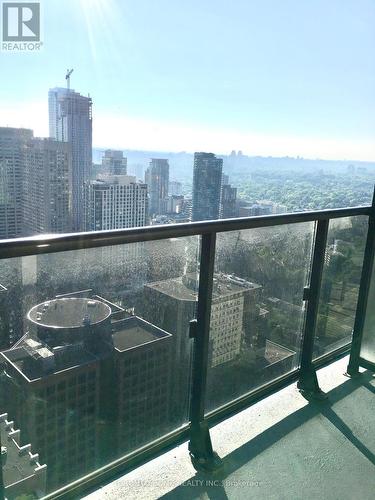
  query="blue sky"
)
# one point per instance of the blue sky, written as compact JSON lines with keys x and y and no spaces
{"x":270,"y":77}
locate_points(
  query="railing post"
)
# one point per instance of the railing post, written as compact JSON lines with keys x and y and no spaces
{"x":200,"y":447}
{"x":2,"y":485}
{"x":308,"y":382}
{"x":364,"y":288}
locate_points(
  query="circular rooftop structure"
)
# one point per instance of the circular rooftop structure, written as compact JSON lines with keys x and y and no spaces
{"x":68,"y":313}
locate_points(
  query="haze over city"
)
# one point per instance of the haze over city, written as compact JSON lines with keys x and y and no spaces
{"x":255,"y":76}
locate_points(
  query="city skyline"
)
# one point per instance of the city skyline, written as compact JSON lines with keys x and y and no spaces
{"x":289,"y":94}
{"x":148,"y":135}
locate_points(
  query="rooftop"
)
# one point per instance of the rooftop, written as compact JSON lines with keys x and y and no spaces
{"x":111,"y":180}
{"x":34,"y":361}
{"x":186,"y":287}
{"x":134,"y":332}
{"x":69,"y":313}
{"x":275,"y":352}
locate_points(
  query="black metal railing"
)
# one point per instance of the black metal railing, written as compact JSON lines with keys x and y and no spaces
{"x":197,"y":429}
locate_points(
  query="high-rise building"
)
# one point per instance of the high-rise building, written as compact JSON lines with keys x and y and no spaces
{"x":87,"y":384}
{"x":157,"y":179}
{"x":206,"y":186}
{"x":35,"y":184}
{"x":117,"y":202}
{"x":13,"y":142}
{"x":228,"y":201}
{"x":70,"y":120}
{"x":47,"y":183}
{"x":114,"y":162}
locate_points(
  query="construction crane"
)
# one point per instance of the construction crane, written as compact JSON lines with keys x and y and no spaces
{"x":67,"y":78}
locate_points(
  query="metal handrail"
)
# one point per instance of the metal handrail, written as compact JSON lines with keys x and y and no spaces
{"x":41,"y":244}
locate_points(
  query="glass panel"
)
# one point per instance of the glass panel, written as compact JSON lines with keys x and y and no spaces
{"x":257,"y":308}
{"x":368,"y":341}
{"x":340,"y":283}
{"x":95,"y":358}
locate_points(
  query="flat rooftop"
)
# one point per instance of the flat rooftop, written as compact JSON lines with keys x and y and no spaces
{"x":69,"y":312}
{"x":22,"y":359}
{"x":275,"y":352}
{"x":134,"y":332}
{"x":185,"y":287}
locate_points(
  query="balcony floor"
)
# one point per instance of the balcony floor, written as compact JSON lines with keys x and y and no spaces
{"x":280,"y":448}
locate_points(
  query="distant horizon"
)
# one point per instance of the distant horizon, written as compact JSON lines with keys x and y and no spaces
{"x":244,"y":154}
{"x":41,"y":130}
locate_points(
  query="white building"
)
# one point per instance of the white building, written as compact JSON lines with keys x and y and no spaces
{"x":117,"y":202}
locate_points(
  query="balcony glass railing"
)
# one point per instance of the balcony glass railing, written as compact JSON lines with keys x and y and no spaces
{"x":340,"y":283}
{"x":102,"y":365}
{"x":257,"y":308}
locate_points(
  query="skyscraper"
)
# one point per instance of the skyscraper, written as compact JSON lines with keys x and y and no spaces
{"x":206,"y":186}
{"x":117,"y":202}
{"x":114,"y":162}
{"x":13,"y":142}
{"x":47,"y":183}
{"x":70,"y":120}
{"x":35,"y":184}
{"x":157,"y":178}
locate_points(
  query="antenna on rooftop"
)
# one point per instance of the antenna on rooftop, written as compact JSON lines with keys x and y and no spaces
{"x":67,"y":77}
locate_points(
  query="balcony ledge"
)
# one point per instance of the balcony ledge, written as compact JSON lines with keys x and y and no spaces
{"x":280,"y":448}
